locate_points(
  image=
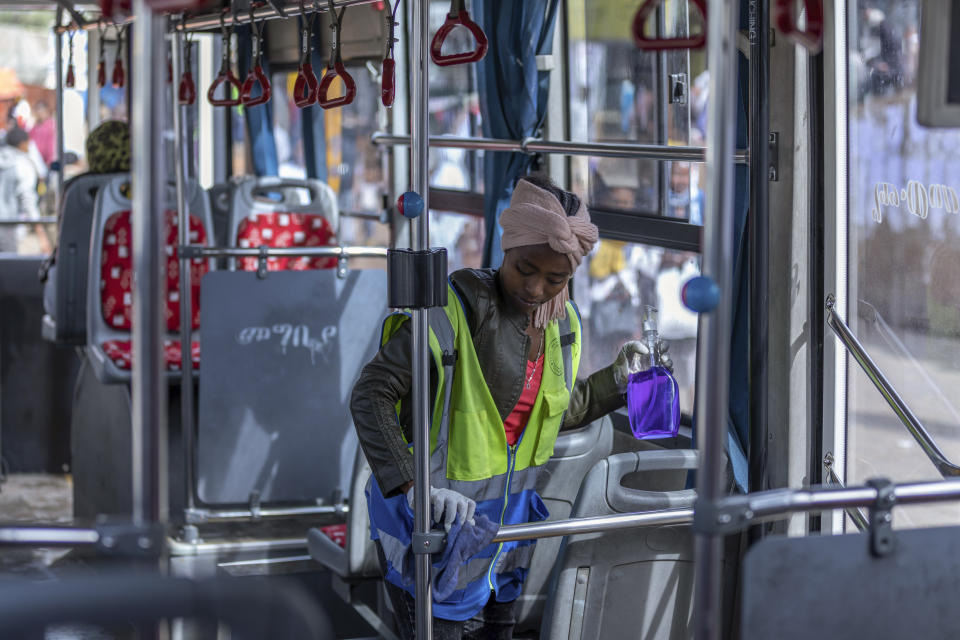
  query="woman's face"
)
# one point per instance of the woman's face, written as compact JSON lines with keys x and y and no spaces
{"x":533,"y":275}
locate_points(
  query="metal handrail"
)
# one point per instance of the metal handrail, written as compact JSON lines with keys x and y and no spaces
{"x":201,"y":515}
{"x":596,"y":524}
{"x":566,"y":147}
{"x":900,"y":408}
{"x":193,"y":251}
{"x":41,"y":220}
{"x":858,"y":517}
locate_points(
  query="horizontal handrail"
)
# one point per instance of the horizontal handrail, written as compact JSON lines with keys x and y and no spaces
{"x":882,"y":384}
{"x":595,"y":524}
{"x":201,"y":515}
{"x":182,"y":548}
{"x":194,"y":251}
{"x":230,"y":19}
{"x":566,"y":147}
{"x":858,"y":517}
{"x":19,"y":221}
{"x":47,"y":536}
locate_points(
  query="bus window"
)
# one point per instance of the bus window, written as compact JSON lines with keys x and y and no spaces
{"x":611,"y":287}
{"x":28,"y":101}
{"x":903,"y":265}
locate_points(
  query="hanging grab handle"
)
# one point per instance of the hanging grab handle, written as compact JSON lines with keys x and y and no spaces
{"x":102,"y":59}
{"x":187,"y":90}
{"x":225,"y":75}
{"x":256,"y":76}
{"x":458,"y":16}
{"x":661,"y":44}
{"x":335,"y":67}
{"x":118,"y":76}
{"x":71,"y":79}
{"x":306,"y":88}
{"x":812,"y":36}
{"x":388,"y":71}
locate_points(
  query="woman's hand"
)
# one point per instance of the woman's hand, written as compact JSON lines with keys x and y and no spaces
{"x":625,"y":363}
{"x":449,"y":504}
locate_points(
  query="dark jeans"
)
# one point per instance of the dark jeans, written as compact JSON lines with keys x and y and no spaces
{"x":494,"y":622}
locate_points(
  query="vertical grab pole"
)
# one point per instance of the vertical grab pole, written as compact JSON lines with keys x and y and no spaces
{"x":420,"y":240}
{"x":714,"y":356}
{"x":759,"y":242}
{"x":59,"y":106}
{"x":149,"y":388}
{"x":186,"y":299}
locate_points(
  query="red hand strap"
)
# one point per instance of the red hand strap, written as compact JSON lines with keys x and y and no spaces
{"x":661,"y":44}
{"x":388,"y":82}
{"x":351,"y":88}
{"x":187,"y":91}
{"x":461,"y":19}
{"x":306,"y":88}
{"x":812,"y":36}
{"x":233,"y":82}
{"x":255,"y":77}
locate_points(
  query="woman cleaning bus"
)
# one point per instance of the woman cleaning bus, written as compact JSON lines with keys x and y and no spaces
{"x":515,"y":334}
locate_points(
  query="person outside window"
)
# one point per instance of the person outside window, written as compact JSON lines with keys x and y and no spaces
{"x":515,"y":335}
{"x":18,"y":190}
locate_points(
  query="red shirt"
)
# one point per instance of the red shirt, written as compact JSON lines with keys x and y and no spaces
{"x":517,"y":420}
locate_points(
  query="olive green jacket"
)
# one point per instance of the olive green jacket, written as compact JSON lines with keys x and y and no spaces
{"x":501,"y":342}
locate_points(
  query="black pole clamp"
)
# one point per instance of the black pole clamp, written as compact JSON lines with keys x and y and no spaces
{"x":882,"y":540}
{"x":428,"y":543}
{"x":262,"y":262}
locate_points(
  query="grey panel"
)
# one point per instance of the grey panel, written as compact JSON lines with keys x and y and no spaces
{"x":635,"y":583}
{"x":830,"y":587}
{"x":573,"y":455}
{"x":280,"y":357}
{"x":69,"y":288}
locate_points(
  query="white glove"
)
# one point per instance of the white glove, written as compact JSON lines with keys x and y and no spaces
{"x":449,"y":504}
{"x":625,"y":364}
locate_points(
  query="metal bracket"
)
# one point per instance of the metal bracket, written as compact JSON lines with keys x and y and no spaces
{"x":342,"y":266}
{"x":189,"y":251}
{"x":882,"y":540}
{"x":773,"y":170}
{"x":428,"y":543}
{"x":130,"y":540}
{"x":729,"y":517}
{"x":679,"y":88}
{"x":254,"y":501}
{"x":262,"y":262}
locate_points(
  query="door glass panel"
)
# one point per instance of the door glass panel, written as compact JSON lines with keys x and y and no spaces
{"x":904,"y":257}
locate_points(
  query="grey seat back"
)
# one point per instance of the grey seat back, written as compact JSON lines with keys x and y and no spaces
{"x":110,"y":200}
{"x":65,"y":291}
{"x":250,"y":196}
{"x":635,"y":583}
{"x":574,"y":454}
{"x":358,"y":559}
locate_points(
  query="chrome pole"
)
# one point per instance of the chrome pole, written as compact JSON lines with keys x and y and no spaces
{"x":149,"y":387}
{"x":420,"y":241}
{"x":186,"y":301}
{"x":59,"y":116}
{"x":714,"y":356}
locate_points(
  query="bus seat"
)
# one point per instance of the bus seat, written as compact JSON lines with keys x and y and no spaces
{"x":110,"y":305}
{"x":65,"y":296}
{"x":356,"y":563}
{"x":281,"y":212}
{"x":634,"y":583}
{"x":574,"y":454}
{"x":357,"y":559}
{"x":832,"y":586}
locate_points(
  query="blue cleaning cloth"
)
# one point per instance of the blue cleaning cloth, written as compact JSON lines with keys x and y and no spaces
{"x":463,"y":541}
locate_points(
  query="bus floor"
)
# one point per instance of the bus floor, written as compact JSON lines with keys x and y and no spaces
{"x":37,"y":498}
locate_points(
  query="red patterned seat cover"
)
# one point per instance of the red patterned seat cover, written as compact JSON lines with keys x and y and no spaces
{"x":121,"y":353}
{"x":337,"y":533}
{"x":116,"y":272}
{"x":280,"y":229}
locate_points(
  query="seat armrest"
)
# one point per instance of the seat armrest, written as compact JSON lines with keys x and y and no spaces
{"x":327,"y":552}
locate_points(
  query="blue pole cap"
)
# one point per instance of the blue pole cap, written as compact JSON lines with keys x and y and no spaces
{"x":410,"y":205}
{"x":701,"y":294}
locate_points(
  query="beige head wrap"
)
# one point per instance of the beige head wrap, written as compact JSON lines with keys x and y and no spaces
{"x":536,"y":216}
